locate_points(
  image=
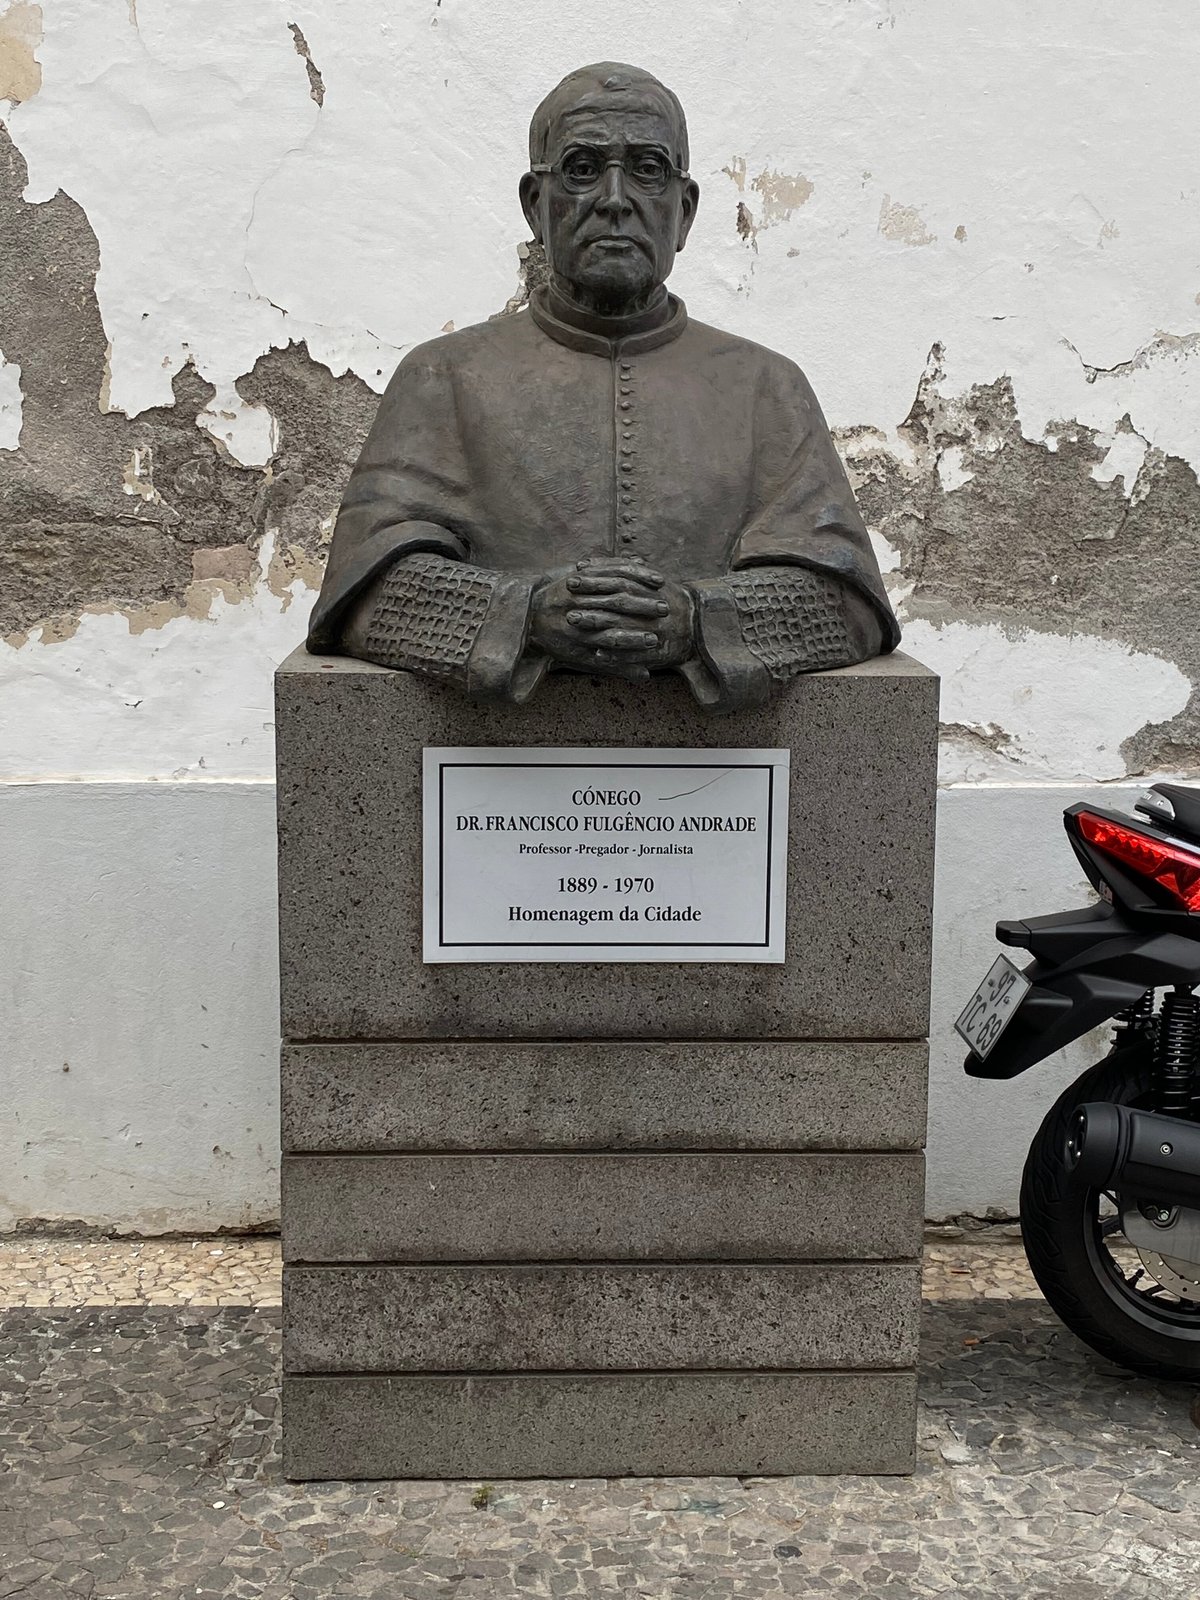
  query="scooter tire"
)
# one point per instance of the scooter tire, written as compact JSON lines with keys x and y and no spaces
{"x":1058,"y":1230}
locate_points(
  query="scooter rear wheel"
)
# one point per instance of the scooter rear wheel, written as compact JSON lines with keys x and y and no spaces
{"x":1074,"y":1248}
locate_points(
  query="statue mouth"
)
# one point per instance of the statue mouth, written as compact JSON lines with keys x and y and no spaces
{"x":615,"y":243}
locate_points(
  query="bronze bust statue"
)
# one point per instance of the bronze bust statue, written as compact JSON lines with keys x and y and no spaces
{"x":598,"y":483}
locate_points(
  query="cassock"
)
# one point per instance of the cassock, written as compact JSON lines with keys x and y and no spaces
{"x":531,"y":441}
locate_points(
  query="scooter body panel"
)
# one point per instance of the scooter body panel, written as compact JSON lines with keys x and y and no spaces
{"x":1088,"y":965}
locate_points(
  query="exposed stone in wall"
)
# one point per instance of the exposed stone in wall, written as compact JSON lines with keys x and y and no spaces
{"x":533,"y":270}
{"x":992,"y":527}
{"x":99,"y":509}
{"x":316,"y":84}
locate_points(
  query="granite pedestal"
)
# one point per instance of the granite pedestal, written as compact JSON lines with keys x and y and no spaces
{"x":602,"y":1219}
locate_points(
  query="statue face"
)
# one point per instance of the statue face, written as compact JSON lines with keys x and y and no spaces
{"x":612,"y":211}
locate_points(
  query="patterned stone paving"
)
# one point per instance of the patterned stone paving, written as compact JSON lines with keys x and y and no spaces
{"x":139,"y":1272}
{"x":139,"y":1461}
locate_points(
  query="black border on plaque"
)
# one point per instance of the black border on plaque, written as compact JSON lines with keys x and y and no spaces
{"x":604,"y":944}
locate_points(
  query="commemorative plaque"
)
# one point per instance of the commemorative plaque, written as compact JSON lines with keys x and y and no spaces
{"x":605,"y":855}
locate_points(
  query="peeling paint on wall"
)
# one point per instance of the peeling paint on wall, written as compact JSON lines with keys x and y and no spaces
{"x":1032,"y":580}
{"x":104,"y":510}
{"x":10,"y":404}
{"x":781,"y":195}
{"x":247,"y":434}
{"x":903,"y":224}
{"x":235,"y":216}
{"x":157,"y":578}
{"x":20,"y":38}
{"x":1125,"y":456}
{"x":1055,"y":706}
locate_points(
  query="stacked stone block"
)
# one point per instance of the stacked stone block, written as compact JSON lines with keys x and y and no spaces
{"x":564,"y":1219}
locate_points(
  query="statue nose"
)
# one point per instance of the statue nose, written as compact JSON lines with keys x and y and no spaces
{"x":613,"y":195}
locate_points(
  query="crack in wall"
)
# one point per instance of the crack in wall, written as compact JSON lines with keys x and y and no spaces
{"x":1161,"y":344}
{"x":316,"y":84}
{"x":986,"y":736}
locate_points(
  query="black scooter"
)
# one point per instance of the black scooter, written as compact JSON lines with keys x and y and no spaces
{"x":1110,"y":1197}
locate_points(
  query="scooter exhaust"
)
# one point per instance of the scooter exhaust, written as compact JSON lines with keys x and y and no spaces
{"x":1141,"y":1153}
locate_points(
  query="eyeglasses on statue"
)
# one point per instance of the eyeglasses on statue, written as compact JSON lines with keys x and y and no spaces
{"x":581,"y":168}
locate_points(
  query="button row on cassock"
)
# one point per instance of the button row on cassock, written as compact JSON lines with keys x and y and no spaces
{"x":628,"y":491}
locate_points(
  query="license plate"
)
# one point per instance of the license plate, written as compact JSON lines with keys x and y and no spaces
{"x":993,"y":1006}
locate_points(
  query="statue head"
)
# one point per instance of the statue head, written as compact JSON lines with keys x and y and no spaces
{"x":608,"y":193}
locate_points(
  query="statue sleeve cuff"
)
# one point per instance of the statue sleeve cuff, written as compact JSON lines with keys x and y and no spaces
{"x":723,"y":675}
{"x":497,"y":666}
{"x":373,"y":556}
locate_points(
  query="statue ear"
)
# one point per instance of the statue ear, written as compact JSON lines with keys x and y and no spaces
{"x":531,"y":194}
{"x":689,"y":204}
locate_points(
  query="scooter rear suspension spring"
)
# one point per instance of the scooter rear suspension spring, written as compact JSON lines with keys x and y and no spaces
{"x":1178,"y":1041}
{"x":1139,"y":1018}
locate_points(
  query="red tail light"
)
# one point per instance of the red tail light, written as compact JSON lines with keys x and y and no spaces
{"x":1170,"y":866}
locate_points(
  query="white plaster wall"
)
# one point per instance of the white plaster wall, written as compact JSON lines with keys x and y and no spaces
{"x":1001,"y":853}
{"x":1012,"y":184}
{"x":139,"y":992}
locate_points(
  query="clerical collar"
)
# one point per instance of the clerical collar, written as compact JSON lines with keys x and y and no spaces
{"x":607,"y":336}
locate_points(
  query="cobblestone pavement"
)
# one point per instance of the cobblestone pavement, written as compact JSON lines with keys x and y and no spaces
{"x":139,"y":1450}
{"x":142,"y":1272}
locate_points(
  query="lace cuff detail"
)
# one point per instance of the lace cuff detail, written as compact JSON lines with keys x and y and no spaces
{"x":792,"y":620}
{"x":427,"y":616}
